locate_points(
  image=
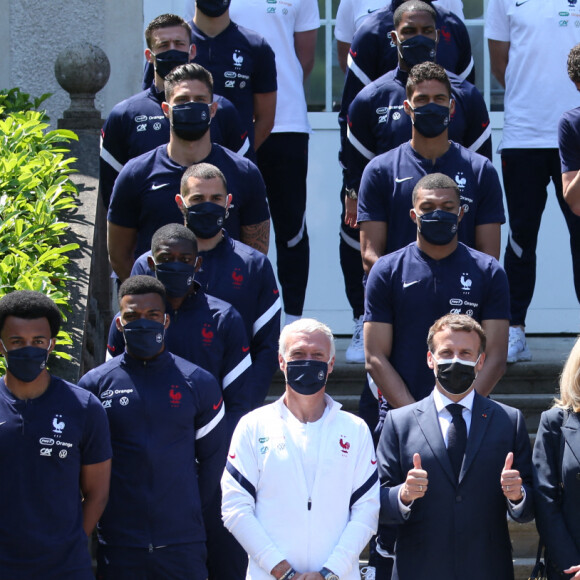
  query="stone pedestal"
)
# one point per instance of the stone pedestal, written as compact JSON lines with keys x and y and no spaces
{"x":83,"y":70}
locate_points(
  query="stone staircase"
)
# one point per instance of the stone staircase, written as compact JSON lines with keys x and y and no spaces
{"x":529,"y":386}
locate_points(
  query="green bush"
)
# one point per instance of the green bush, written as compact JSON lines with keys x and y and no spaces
{"x":15,"y":101}
{"x":35,"y":194}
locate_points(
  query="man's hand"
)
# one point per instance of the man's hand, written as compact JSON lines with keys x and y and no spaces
{"x":416,"y":484}
{"x":511,"y":482}
{"x":573,"y":569}
{"x":350,"y":212}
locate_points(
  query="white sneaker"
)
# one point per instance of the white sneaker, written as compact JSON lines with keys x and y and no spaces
{"x":368,"y":573}
{"x":355,"y":353}
{"x":517,"y":348}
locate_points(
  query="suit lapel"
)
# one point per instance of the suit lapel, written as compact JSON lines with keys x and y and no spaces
{"x":571,"y":433}
{"x":481,"y":417}
{"x":428,"y":421}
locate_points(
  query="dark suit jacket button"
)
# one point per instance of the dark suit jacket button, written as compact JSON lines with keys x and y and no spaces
{"x":458,"y":498}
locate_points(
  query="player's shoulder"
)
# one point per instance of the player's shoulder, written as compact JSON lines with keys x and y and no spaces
{"x":253,"y":39}
{"x":217,"y":306}
{"x":247,"y":253}
{"x":375,"y":25}
{"x":384,"y":85}
{"x":572,"y":117}
{"x":145,"y":161}
{"x":484,"y":261}
{"x":130,"y":104}
{"x":240,"y":163}
{"x":96,"y":375}
{"x":190,"y":370}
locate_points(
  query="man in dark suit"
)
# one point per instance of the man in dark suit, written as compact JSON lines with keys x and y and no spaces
{"x":452,"y":465}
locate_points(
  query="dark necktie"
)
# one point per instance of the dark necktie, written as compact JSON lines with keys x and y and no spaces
{"x":456,"y":437}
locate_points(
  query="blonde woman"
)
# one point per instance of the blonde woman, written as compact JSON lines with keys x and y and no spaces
{"x":557,"y":475}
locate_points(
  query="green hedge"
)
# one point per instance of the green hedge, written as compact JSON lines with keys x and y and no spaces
{"x":35,"y":195}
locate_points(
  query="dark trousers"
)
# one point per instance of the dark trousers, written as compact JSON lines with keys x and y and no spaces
{"x":226,"y":559}
{"x":174,"y":562}
{"x":526,"y":175}
{"x":283,"y":162}
{"x":351,"y":264}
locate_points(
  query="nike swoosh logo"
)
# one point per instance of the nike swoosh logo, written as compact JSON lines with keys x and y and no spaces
{"x":375,"y":461}
{"x":158,"y":186}
{"x":216,"y":407}
{"x":233,"y":456}
{"x":401,"y":179}
{"x":407,"y":284}
{"x":2,"y":422}
{"x":245,"y":348}
{"x":371,"y":11}
{"x":522,"y":2}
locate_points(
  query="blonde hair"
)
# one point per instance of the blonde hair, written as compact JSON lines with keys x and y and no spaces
{"x":307,"y":326}
{"x":570,"y":381}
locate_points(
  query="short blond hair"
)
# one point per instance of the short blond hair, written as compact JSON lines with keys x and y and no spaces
{"x":307,"y":326}
{"x":570,"y":381}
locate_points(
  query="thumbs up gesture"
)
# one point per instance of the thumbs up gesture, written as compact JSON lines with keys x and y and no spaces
{"x":416,"y":484}
{"x":511,"y":482}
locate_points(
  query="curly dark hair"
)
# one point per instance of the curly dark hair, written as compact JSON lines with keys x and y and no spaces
{"x":29,"y":304}
{"x":142,"y":285}
{"x":574,"y":64}
{"x":426,"y":71}
{"x":170,"y":233}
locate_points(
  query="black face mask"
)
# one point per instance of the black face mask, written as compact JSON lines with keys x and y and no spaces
{"x":416,"y":50}
{"x":206,"y":219}
{"x":177,"y":277}
{"x":212,"y":8}
{"x":306,"y":377}
{"x":438,"y":227}
{"x":431,"y":119}
{"x":456,"y":375}
{"x":190,"y":121}
{"x":144,"y":338}
{"x":26,"y":363}
{"x":166,"y":61}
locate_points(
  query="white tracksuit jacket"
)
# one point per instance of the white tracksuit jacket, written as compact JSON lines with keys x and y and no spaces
{"x":266,"y":504}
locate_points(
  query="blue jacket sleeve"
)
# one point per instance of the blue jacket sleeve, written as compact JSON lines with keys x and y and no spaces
{"x":236,"y":369}
{"x":113,"y":155}
{"x":360,"y":145}
{"x":115,"y":340}
{"x":265,"y":334}
{"x":211,"y":435}
{"x":478,"y":128}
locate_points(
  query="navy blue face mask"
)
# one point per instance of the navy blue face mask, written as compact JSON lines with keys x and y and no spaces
{"x":177,"y":277}
{"x":417,"y":49}
{"x":26,"y":363}
{"x":306,"y":377}
{"x":431,"y":119}
{"x":191,"y":121}
{"x":213,"y":8}
{"x":206,"y":219}
{"x":144,"y":338}
{"x":166,"y":61}
{"x":438,"y":227}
